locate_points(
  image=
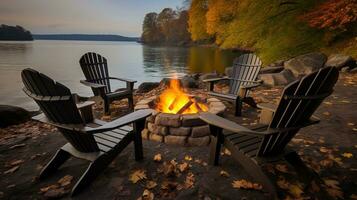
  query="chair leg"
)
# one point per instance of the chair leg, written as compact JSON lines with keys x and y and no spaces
{"x":106,"y":106}
{"x":131,"y":103}
{"x":93,"y":170}
{"x":58,"y":159}
{"x":215,"y":151}
{"x":254,"y":170}
{"x":305,"y":174}
{"x":238,"y":105}
{"x":138,"y":143}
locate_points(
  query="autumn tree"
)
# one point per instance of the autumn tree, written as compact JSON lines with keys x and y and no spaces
{"x":151,"y":32}
{"x":197,"y":20}
{"x":333,"y":14}
{"x":168,"y":27}
{"x":219,"y":15}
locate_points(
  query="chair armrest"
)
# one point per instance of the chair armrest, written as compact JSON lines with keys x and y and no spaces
{"x":85,"y":104}
{"x":267,"y":106}
{"x":92,"y":85}
{"x":85,"y":109}
{"x":123,"y":79}
{"x":250,"y":86}
{"x":222,"y":123}
{"x":122,"y":121}
{"x":267,"y":112}
{"x":215,"y":79}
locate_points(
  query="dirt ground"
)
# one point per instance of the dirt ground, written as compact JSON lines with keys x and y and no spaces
{"x":329,"y":148}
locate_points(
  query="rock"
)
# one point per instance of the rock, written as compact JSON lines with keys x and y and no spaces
{"x":181,"y":131}
{"x":340,"y":61}
{"x":201,"y":141}
{"x":165,"y":119}
{"x":156,"y":137}
{"x":172,"y":139}
{"x":305,"y":64}
{"x":269,"y":70}
{"x":283,"y":78}
{"x":189,"y":82}
{"x":208,"y":76}
{"x":157,"y":129}
{"x":145,"y":134}
{"x":147,"y":87}
{"x":151,"y":119}
{"x":12,"y":115}
{"x":200,"y":131}
{"x":228,"y":71}
{"x":141,"y":106}
{"x":192,"y":120}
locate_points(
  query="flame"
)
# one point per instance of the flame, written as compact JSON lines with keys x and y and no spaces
{"x":173,"y":99}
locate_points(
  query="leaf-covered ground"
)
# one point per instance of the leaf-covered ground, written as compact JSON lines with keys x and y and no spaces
{"x":169,"y":172}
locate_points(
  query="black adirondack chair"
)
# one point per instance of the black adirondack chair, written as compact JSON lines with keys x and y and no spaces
{"x":253,"y":148}
{"x":244,"y":77}
{"x":95,"y":69}
{"x":89,"y":139}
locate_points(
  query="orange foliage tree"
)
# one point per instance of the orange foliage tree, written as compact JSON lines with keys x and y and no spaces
{"x":333,"y":14}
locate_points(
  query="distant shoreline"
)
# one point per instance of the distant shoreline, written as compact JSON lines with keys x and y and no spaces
{"x":84,"y":37}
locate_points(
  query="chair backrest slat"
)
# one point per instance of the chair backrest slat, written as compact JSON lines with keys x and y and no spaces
{"x":58,"y":104}
{"x":245,"y":68}
{"x":298,"y":102}
{"x":95,"y":69}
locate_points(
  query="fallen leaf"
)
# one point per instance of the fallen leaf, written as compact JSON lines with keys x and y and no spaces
{"x":188,"y":158}
{"x":326,"y":113}
{"x":54,"y":193}
{"x":350,"y":124}
{"x":158,"y":157}
{"x":65,"y":181}
{"x":190,"y":180}
{"x":147,"y":195}
{"x":17,"y":146}
{"x":183,"y":167}
{"x":12,"y":170}
{"x":246,"y":185}
{"x":226,"y":152}
{"x":325,"y":150}
{"x":332,"y":183}
{"x":327,"y":103}
{"x":347,"y":155}
{"x":137,"y":176}
{"x":282,"y":168}
{"x":224,"y":173}
{"x":293,"y":189}
{"x":51,"y":187}
{"x":16,"y":162}
{"x":151,"y":184}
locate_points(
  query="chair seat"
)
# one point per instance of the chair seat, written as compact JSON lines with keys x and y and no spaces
{"x":119,"y":93}
{"x":247,"y":144}
{"x":110,"y":139}
{"x":224,"y":96}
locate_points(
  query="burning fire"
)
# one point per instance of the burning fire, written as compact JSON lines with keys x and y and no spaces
{"x":174,"y":100}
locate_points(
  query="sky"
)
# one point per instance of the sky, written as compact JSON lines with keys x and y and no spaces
{"x":123,"y":17}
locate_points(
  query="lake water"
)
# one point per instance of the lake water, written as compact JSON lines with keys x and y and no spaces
{"x":60,"y":60}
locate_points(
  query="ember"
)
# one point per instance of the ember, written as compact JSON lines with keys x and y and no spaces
{"x":174,"y":100}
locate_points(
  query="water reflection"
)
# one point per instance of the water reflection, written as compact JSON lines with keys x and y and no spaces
{"x":171,"y":61}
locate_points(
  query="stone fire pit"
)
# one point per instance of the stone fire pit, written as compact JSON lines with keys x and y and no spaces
{"x":181,"y":129}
